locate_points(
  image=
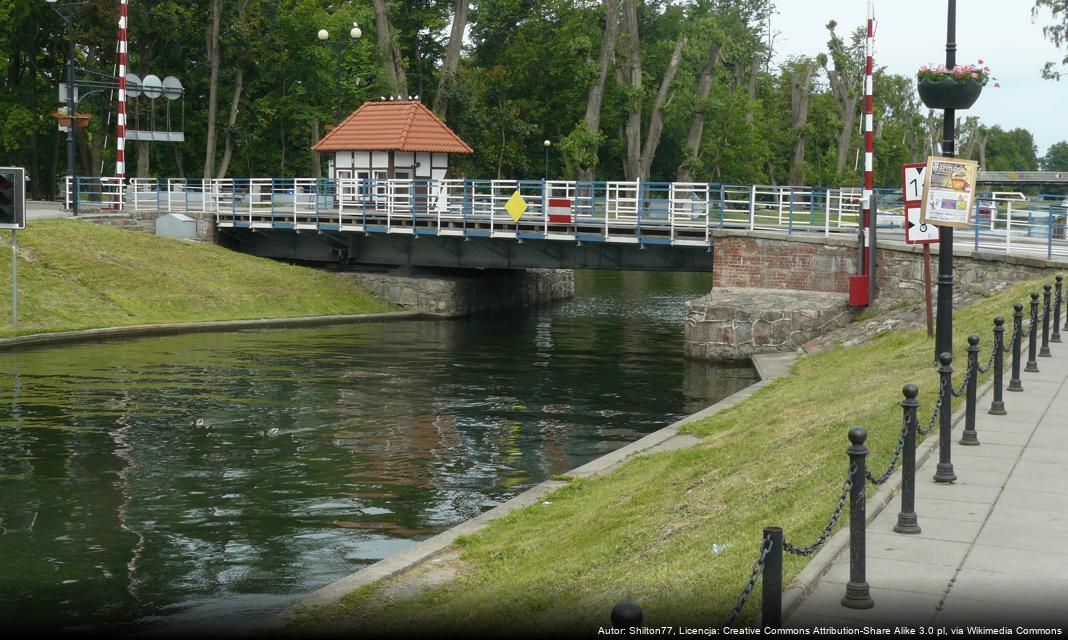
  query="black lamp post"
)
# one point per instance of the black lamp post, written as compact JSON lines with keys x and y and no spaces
{"x":944,"y":330}
{"x":69,"y":11}
{"x":339,"y":47}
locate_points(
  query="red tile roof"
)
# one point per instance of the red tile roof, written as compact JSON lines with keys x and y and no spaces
{"x":399,"y":125}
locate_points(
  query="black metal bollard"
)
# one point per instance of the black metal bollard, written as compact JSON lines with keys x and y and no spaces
{"x":997,"y":407}
{"x":1044,"y":352}
{"x":944,"y":471}
{"x":858,"y":593}
{"x":771,"y":581}
{"x":626,"y":615}
{"x":969,"y":438}
{"x":1058,"y":292}
{"x":1032,"y":336}
{"x":906,"y":518}
{"x":1015,"y":384}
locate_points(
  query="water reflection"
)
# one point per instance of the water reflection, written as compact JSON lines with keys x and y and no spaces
{"x":321,"y":450}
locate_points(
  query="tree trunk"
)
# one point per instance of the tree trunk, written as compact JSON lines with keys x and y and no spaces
{"x":656,"y":118}
{"x":316,"y":161}
{"x":800,"y":83}
{"x":595,"y":101}
{"x":178,"y":161}
{"x":632,"y":165}
{"x":144,"y":161}
{"x":213,"y":88}
{"x":452,"y":58}
{"x":982,"y":150}
{"x":387,"y":49}
{"x":754,"y":74}
{"x":697,"y":124}
{"x":239,"y":84}
{"x":848,"y":104}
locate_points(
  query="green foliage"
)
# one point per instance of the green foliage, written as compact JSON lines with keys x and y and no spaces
{"x":524,"y":76}
{"x":580,"y":149}
{"x":1012,"y":150}
{"x":1056,"y":158}
{"x":1056,"y":32}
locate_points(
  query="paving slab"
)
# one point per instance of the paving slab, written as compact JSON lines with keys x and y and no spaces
{"x":993,"y":546}
{"x":932,"y":527}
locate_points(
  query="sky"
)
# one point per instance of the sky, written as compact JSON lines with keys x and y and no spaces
{"x":910,"y":33}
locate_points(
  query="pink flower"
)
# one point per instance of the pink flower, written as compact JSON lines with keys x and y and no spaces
{"x":925,"y":68}
{"x":975,"y":75}
{"x":997,"y":85}
{"x":980,"y":61}
{"x":987,"y":69}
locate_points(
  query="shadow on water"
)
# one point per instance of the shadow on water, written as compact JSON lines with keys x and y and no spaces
{"x":321,"y":451}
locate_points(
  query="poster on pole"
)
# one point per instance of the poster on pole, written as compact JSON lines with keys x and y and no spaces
{"x":948,"y":192}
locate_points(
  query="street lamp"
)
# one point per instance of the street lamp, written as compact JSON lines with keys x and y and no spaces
{"x":339,"y":47}
{"x":69,"y":11}
{"x":944,"y":330}
{"x":547,"y":145}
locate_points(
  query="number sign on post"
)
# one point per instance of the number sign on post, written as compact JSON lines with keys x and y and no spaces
{"x":916,"y":232}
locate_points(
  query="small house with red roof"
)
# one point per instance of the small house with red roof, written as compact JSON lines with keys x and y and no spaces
{"x":391,"y":139}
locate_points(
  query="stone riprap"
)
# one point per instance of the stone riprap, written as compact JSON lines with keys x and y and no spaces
{"x":733,"y":323}
{"x":468,"y":292}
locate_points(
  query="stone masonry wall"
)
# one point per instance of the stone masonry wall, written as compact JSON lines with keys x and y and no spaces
{"x":751,"y":261}
{"x":145,"y":221}
{"x":468,"y":292}
{"x":816,"y":263}
{"x":731,"y":323}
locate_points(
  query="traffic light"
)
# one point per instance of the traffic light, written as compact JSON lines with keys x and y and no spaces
{"x":12,"y":198}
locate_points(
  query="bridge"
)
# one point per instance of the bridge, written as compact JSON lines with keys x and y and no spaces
{"x":539,"y":223}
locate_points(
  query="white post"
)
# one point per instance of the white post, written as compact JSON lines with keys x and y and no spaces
{"x":752,"y":207}
{"x":1008,"y":229}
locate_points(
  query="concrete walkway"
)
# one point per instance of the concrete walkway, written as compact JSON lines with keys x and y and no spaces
{"x":993,"y":549}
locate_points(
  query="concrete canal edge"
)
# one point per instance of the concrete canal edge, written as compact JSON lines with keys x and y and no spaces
{"x":89,"y":335}
{"x":806,"y":581}
{"x":768,"y":367}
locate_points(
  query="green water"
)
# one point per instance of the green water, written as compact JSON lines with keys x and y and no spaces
{"x":322,"y":450}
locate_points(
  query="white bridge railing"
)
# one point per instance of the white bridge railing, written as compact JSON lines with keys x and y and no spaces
{"x":684,"y":213}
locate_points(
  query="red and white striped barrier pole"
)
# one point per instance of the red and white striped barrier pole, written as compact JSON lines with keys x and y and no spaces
{"x":869,"y":157}
{"x":120,"y":138}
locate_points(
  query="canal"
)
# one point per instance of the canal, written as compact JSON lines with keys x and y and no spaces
{"x":202,"y":480}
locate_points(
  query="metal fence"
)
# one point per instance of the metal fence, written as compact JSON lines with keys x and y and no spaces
{"x":623,"y":211}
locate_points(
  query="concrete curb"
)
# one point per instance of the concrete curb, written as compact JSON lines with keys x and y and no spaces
{"x":768,"y":366}
{"x":805,"y":582}
{"x":88,"y":335}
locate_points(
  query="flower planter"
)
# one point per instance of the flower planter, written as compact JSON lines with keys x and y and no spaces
{"x":949,"y":93}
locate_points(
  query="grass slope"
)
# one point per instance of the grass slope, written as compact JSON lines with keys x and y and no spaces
{"x":77,"y":275}
{"x":678,"y":532}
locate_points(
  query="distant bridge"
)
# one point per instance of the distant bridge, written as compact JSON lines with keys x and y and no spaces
{"x":534,"y":223}
{"x":1023,"y":178}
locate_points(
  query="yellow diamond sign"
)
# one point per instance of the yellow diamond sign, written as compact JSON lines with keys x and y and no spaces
{"x":516,"y":206}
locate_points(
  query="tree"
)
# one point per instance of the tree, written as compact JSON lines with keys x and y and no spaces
{"x":1057,"y":33}
{"x":1056,"y":158}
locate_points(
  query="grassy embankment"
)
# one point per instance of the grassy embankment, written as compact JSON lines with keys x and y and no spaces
{"x":75,"y":275}
{"x":678,"y":532}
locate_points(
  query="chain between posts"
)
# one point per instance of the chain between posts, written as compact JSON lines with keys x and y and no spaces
{"x":758,"y":566}
{"x":990,"y":360}
{"x":1012,"y":343}
{"x":809,"y":550}
{"x":959,"y":393}
{"x":934,"y":414}
{"x":893,"y":461}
